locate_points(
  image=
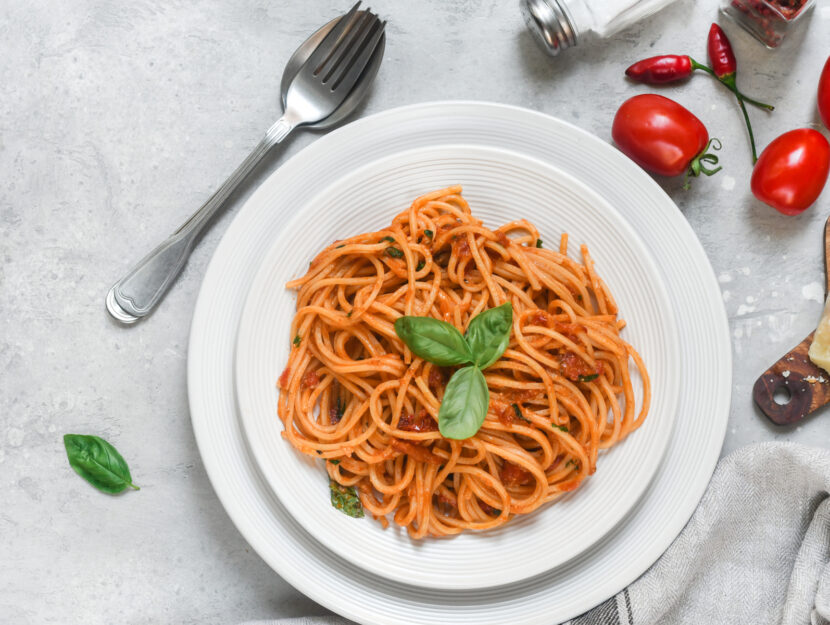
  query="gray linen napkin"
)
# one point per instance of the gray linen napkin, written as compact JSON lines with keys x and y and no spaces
{"x":755,"y":551}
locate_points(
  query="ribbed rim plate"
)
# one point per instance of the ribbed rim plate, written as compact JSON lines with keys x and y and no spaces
{"x":501,"y":186}
{"x":594,"y":575}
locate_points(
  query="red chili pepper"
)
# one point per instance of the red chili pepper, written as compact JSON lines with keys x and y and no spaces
{"x":725,"y":66}
{"x":668,"y":68}
{"x":723,"y":59}
{"x":657,"y":70}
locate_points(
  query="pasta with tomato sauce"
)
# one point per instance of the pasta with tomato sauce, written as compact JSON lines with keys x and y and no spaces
{"x":355,"y":396}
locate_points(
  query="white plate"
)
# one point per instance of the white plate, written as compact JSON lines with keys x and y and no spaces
{"x":501,"y":186}
{"x":588,"y":579}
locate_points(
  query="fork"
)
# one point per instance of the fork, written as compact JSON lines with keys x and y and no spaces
{"x":320,"y":86}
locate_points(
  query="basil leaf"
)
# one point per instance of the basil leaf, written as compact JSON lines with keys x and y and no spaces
{"x":435,"y":341}
{"x":489,"y":334}
{"x":429,"y":233}
{"x":345,"y":499}
{"x":390,"y":239}
{"x":559,"y":427}
{"x":538,"y":242}
{"x":394,"y":252}
{"x":98,"y":462}
{"x":464,"y":405}
{"x":588,"y":378}
{"x":297,"y":341}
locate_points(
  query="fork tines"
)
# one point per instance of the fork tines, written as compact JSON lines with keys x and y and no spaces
{"x":345,"y":51}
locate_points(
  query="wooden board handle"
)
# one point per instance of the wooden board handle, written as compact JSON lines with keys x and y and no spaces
{"x":807,"y":385}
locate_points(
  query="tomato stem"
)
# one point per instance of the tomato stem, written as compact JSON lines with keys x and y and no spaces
{"x":697,"y":167}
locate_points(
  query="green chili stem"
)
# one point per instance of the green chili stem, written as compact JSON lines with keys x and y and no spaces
{"x":731,"y":87}
{"x":704,"y":67}
{"x":749,"y":128}
{"x":761,"y":105}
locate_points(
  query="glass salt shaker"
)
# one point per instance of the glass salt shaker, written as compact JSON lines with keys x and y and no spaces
{"x":768,"y":20}
{"x":561,"y":24}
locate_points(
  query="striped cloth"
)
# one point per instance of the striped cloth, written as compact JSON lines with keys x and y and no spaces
{"x":755,"y":551}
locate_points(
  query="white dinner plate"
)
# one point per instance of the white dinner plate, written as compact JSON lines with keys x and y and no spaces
{"x":588,"y":579}
{"x":501,"y":186}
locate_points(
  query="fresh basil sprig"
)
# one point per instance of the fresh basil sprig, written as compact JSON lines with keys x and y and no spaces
{"x":98,"y":462}
{"x":466,"y":397}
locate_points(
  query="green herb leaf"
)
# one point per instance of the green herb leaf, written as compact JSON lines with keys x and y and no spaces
{"x":297,"y":341}
{"x":588,"y":378}
{"x":390,"y":239}
{"x":345,"y":499}
{"x":488,"y":334}
{"x":572,"y":462}
{"x":349,"y":314}
{"x":538,"y":242}
{"x":335,"y":461}
{"x":429,"y":233}
{"x":464,"y":405}
{"x":420,"y":266}
{"x":435,"y":341}
{"x":559,"y":427}
{"x":519,"y":414}
{"x":98,"y":462}
{"x":394,"y":252}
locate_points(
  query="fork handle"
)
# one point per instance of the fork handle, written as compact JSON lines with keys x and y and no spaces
{"x":138,"y":292}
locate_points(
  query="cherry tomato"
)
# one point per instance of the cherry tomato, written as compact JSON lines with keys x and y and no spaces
{"x":661,"y":136}
{"x":824,"y":94}
{"x":792,"y":170}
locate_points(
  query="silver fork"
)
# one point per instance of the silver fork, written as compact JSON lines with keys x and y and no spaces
{"x":325,"y":80}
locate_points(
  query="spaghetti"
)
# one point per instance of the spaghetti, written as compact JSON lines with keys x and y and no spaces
{"x":353,"y":394}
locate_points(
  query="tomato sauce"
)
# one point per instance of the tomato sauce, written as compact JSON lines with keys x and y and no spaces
{"x":538,"y":318}
{"x":436,"y":378}
{"x":422,"y":422}
{"x":416,"y":452}
{"x":574,"y":367}
{"x":505,"y":415}
{"x":513,"y":475}
{"x":487,"y":508}
{"x":283,"y":380}
{"x":569,"y":330}
{"x":311,"y":379}
{"x":461,"y":247}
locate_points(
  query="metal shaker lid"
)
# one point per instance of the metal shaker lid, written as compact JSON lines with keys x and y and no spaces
{"x":550,"y":24}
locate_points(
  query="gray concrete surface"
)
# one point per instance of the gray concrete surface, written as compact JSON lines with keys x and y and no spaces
{"x":118,"y":119}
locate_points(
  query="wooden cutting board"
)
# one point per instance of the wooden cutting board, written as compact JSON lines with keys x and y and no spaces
{"x":800,"y":386}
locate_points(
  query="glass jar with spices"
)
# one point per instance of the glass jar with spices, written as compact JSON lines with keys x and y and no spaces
{"x":768,"y":20}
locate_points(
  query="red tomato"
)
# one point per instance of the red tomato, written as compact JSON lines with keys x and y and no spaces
{"x":792,"y":170}
{"x":824,"y":94}
{"x":658,"y":134}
